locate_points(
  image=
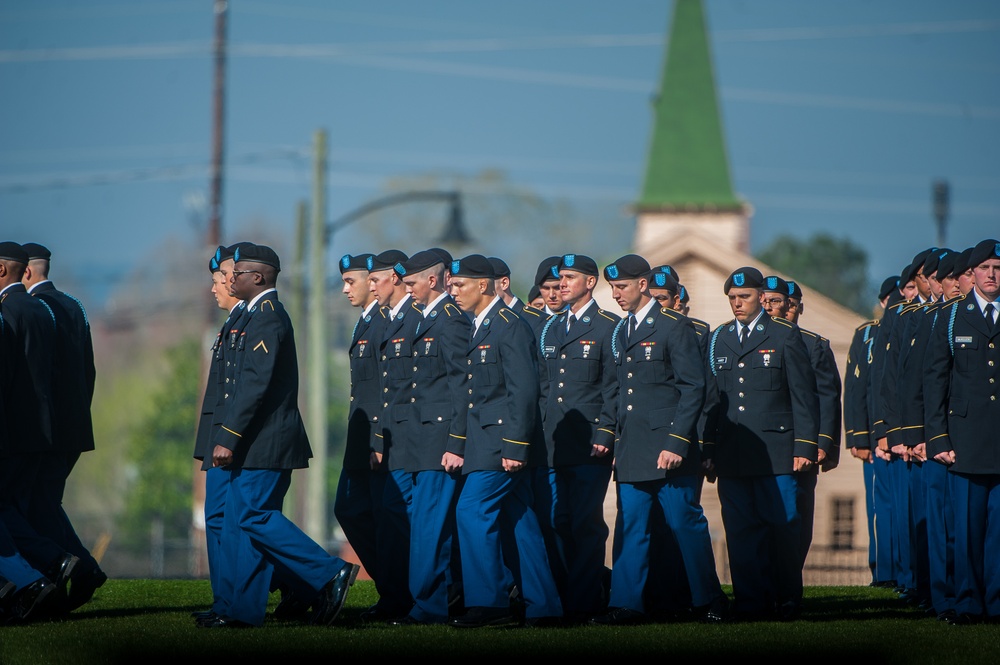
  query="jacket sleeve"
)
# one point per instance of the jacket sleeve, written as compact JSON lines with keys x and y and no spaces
{"x":805,"y":401}
{"x":689,"y":374}
{"x":520,"y":375}
{"x":828,"y":388}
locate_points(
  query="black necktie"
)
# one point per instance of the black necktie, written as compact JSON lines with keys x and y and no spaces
{"x":632,"y":324}
{"x":989,"y":315}
{"x":744,"y":334}
{"x":570,"y":320}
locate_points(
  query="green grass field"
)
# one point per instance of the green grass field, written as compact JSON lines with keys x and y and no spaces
{"x":131,"y":621}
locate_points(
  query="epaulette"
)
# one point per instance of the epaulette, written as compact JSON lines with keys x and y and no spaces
{"x":413,"y":304}
{"x":501,"y":311}
{"x":809,"y":332}
{"x":447,"y":311}
{"x":866,"y":324}
{"x":531,"y":310}
{"x":912,"y":307}
{"x":784,"y":322}
{"x":261,"y":304}
{"x":382,"y":309}
{"x":698,"y":322}
{"x":671,"y":313}
{"x":606,"y":315}
{"x":958,"y":298}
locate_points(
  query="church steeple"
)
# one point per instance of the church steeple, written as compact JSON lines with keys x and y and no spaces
{"x":687,"y":167}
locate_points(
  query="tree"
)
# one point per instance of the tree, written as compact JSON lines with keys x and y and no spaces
{"x":836,"y":267}
{"x":160,"y":452}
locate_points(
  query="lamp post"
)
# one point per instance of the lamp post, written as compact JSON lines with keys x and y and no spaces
{"x":322,"y":236}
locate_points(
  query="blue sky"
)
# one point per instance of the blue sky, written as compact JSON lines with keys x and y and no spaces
{"x":838,"y":115}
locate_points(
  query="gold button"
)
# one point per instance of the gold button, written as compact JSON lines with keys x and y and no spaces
{"x":559,"y":399}
{"x":991,"y":363}
{"x":628,"y":359}
{"x":742,"y":379}
{"x":385,"y":390}
{"x":560,"y":385}
{"x":500,"y":421}
{"x":629,"y":391}
{"x":470,"y":391}
{"x":993,"y":398}
{"x":375,"y":418}
{"x":385,"y":406}
{"x":741,"y":394}
{"x":470,"y":405}
{"x":439,"y":418}
{"x":352,"y":398}
{"x":629,"y":407}
{"x":743,"y":408}
{"x":413,"y":399}
{"x":741,"y":365}
{"x":562,"y":370}
{"x":562,"y":357}
{"x":470,"y":361}
{"x":630,"y":375}
{"x":470,"y":376}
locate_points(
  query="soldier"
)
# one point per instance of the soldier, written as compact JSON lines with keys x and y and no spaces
{"x":657,"y":459}
{"x":360,"y":491}
{"x":25,"y":592}
{"x":547,"y":280}
{"x":503,"y":404}
{"x":390,"y":452}
{"x":761,"y":437}
{"x":960,"y":398}
{"x":684,"y":300}
{"x":261,"y":440}
{"x":579,"y":389}
{"x":777,"y":303}
{"x":213,"y":402}
{"x":436,"y":416}
{"x":73,"y":431}
{"x":859,"y":440}
{"x":535,"y":297}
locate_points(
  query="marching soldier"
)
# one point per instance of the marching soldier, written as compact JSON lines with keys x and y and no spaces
{"x":579,"y":394}
{"x":762,"y":436}
{"x":963,"y":411}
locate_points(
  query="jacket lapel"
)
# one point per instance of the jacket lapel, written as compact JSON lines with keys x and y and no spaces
{"x":484,"y":329}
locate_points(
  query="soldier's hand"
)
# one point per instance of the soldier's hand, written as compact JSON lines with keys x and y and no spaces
{"x":668,"y":460}
{"x":800,"y":464}
{"x":709,"y":468}
{"x":375,"y":460}
{"x":597,"y":450}
{"x":863,"y":454}
{"x":920,"y":452}
{"x":883,"y":444}
{"x":512,"y":465}
{"x":452,"y":462}
{"x":222,"y":456}
{"x":947,"y":457}
{"x":883,"y":454}
{"x":820,"y":456}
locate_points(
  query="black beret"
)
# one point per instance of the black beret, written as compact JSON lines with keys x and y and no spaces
{"x":349,"y":262}
{"x":475,"y":266}
{"x":578,"y":263}
{"x":445,"y":255}
{"x":946,"y":266}
{"x":685,"y":296}
{"x":387,"y":260}
{"x":224,"y":253}
{"x":213,"y":264}
{"x":776,"y":284}
{"x":744,"y":278}
{"x":962,"y":261}
{"x":219,"y":255}
{"x":630,"y":266}
{"x":257,"y":254}
{"x":889,"y":286}
{"x":533,"y":293}
{"x":11,"y":251}
{"x":669,"y":270}
{"x":548,"y":269}
{"x":794,"y":290}
{"x":662,"y":280}
{"x":36,"y":251}
{"x":419,"y":262}
{"x":921,"y":258}
{"x":500,"y":268}
{"x":933,"y":260}
{"x":907,"y":274}
{"x":985,"y":250}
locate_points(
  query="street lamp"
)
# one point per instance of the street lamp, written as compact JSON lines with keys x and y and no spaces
{"x":454,"y":233}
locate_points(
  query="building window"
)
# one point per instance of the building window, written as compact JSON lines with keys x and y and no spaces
{"x":842,"y":523}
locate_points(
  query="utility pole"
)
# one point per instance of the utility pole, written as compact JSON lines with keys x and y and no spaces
{"x":941,"y":196}
{"x":296,"y":311}
{"x":199,"y":555}
{"x":317,"y":385}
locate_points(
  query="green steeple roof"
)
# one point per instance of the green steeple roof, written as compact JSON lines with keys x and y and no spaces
{"x":687,"y":166}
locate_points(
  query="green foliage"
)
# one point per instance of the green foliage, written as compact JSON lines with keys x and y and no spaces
{"x":160,"y":451}
{"x":836,"y":267}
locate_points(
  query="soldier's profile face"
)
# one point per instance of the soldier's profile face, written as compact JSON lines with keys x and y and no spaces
{"x":987,"y":277}
{"x":419,"y":287}
{"x":910,"y":290}
{"x":382,"y":283}
{"x":356,"y":287}
{"x":466,"y":293}
{"x":551,"y":295}
{"x":950,"y":288}
{"x":664,"y":298}
{"x":628,"y":293}
{"x":745,"y":303}
{"x":966,"y":281}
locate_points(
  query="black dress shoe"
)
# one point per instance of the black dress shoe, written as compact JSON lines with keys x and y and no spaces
{"x":33,"y":600}
{"x":620,"y":616}
{"x":947,"y":615}
{"x":290,"y":607}
{"x":964,"y":620}
{"x":223,"y":622}
{"x":62,"y":570}
{"x":82,"y":586}
{"x":480,"y":617}
{"x":407,"y":621}
{"x":333,"y":594}
{"x":715,"y":612}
